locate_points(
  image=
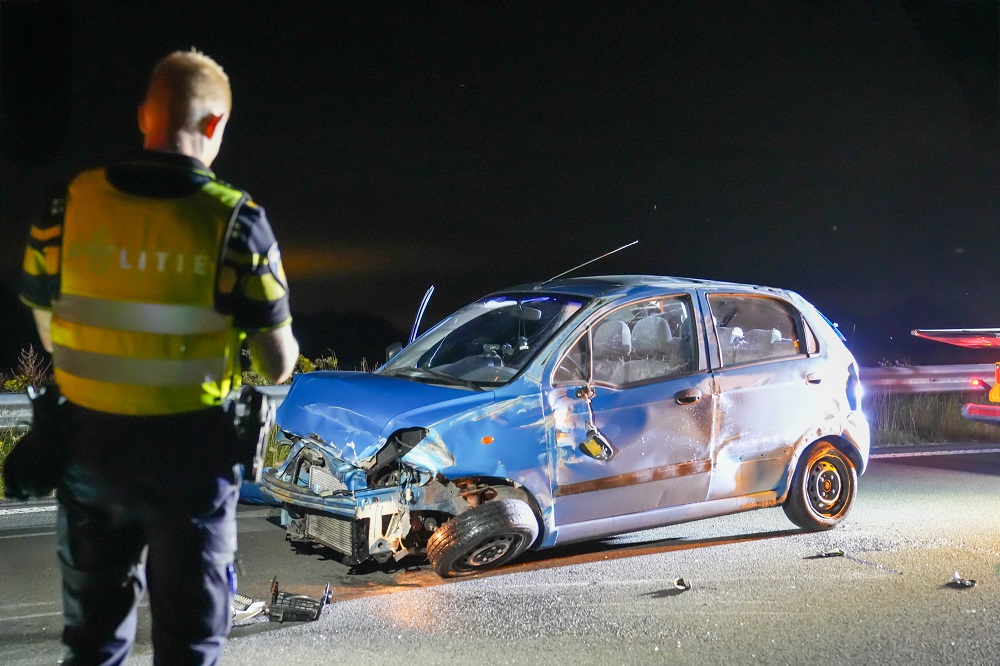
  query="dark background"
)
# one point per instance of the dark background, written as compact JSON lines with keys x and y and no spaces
{"x":846,"y":150}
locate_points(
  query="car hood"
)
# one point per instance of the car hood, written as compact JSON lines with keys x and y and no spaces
{"x":351,"y":414}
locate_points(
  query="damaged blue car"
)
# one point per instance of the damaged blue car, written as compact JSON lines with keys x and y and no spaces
{"x":573,"y":410}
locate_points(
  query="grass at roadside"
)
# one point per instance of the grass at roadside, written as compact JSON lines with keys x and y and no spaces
{"x":925,"y":418}
{"x":275,"y":453}
{"x":7,"y":440}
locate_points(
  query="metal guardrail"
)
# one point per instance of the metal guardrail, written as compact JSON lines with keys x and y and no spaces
{"x":925,"y":378}
{"x":15,"y":410}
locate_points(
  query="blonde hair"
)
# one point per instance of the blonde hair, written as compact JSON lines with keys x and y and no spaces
{"x":189,"y":85}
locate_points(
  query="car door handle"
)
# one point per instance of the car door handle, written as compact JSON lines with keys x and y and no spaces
{"x":814,"y":378}
{"x":687,"y":396}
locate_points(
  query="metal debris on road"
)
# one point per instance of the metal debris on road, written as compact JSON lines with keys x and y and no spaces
{"x":959,"y":583}
{"x":680,"y":586}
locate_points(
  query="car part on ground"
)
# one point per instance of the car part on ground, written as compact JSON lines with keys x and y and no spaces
{"x":245,"y":609}
{"x":957,"y":582}
{"x":285,"y":607}
{"x":280,"y":607}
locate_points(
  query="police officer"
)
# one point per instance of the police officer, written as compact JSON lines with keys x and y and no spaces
{"x":145,"y":278}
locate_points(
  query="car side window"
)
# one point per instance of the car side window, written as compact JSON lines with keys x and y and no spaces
{"x":574,"y":368}
{"x":640,"y":342}
{"x":754,"y":328}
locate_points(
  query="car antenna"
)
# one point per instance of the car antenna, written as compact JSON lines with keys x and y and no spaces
{"x":420,"y":313}
{"x":556,"y":277}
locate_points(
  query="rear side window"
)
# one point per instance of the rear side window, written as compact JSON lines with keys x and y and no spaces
{"x":755,"y":328}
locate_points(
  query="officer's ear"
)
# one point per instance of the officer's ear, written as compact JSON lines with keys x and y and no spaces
{"x":210,"y":124}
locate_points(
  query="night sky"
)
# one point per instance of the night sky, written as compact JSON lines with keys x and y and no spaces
{"x":847,"y":150}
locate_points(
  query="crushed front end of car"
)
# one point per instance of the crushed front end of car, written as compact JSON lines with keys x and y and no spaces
{"x":360,"y":510}
{"x":352,"y":488}
{"x":372,"y":469}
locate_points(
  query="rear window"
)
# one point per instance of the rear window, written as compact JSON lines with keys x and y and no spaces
{"x":755,"y":328}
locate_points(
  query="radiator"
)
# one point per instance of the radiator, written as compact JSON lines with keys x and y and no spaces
{"x":333,"y":532}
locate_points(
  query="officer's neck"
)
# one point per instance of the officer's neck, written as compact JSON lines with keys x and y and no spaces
{"x":183,"y":143}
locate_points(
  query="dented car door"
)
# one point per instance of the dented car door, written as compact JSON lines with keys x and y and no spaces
{"x":638,"y":435}
{"x":771,"y":391}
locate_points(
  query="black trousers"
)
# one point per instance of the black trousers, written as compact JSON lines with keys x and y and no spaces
{"x":148,"y":503}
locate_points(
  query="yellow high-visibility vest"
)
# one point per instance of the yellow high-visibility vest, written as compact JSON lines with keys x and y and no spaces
{"x":134,"y":330}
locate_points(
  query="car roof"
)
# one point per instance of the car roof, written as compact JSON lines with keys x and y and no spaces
{"x":598,"y":285}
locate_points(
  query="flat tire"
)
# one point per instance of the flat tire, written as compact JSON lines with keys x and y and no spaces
{"x":483,"y":538}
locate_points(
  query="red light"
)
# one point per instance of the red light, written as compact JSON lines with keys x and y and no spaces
{"x":977,"y":382}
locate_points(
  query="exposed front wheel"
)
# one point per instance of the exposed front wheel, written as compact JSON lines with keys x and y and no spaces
{"x":823,"y":488}
{"x":482,"y":538}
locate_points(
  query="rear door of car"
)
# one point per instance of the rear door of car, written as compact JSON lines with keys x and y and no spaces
{"x":770,"y":373}
{"x":639,"y":435}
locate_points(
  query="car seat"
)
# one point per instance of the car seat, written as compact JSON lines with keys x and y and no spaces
{"x":654,"y":350}
{"x":612,"y":345}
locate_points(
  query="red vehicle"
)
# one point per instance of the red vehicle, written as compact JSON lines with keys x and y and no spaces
{"x":973,"y":338}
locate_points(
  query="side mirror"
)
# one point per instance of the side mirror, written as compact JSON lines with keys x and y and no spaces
{"x":392,"y":350}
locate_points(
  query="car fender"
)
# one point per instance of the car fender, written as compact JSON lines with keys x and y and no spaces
{"x":506,"y":441}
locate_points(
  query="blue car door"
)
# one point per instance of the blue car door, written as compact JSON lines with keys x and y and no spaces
{"x":771,"y":390}
{"x":639,"y":435}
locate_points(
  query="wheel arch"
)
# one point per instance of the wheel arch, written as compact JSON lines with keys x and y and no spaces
{"x":839,"y":442}
{"x":505,"y":489}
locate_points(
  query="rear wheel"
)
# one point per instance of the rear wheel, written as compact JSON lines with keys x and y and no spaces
{"x":823,"y":488}
{"x":482,"y":538}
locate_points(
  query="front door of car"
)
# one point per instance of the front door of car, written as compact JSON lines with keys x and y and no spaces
{"x":771,"y":390}
{"x":638,"y":435}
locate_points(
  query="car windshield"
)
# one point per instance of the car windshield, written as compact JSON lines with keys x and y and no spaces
{"x":484,"y":344}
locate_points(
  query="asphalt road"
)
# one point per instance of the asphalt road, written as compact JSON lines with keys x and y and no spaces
{"x":760,"y":594}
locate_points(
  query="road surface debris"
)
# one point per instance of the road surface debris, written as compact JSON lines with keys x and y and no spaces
{"x":959,"y":583}
{"x":282,"y":606}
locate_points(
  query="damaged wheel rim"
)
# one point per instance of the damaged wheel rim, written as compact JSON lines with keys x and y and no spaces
{"x":825,"y":486}
{"x":491,"y":551}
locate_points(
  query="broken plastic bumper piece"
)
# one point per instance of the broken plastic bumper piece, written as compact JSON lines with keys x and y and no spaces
{"x":246,"y":609}
{"x":285,"y":607}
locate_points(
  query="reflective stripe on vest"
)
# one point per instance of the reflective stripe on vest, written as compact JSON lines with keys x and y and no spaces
{"x":137,"y":371}
{"x":134,"y":330}
{"x":141,"y":317}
